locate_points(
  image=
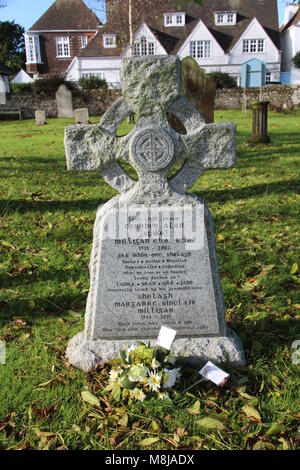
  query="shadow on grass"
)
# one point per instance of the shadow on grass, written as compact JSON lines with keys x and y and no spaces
{"x":279,"y":187}
{"x":23,"y":206}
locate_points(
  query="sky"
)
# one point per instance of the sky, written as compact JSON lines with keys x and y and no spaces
{"x":27,"y":12}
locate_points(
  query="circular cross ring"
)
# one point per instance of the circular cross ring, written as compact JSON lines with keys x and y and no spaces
{"x":152,"y":149}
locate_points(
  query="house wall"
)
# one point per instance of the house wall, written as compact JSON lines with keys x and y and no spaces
{"x":201,"y":33}
{"x":145,"y":31}
{"x":290,"y":43}
{"x":107,"y":68}
{"x":51,"y":65}
{"x":255,"y":31}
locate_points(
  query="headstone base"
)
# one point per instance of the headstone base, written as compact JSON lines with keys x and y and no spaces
{"x":85,"y":355}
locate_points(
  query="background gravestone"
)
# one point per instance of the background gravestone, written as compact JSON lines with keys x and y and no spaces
{"x":141,"y":275}
{"x":64,"y":102}
{"x":198,"y":88}
{"x":81,"y":116}
{"x":40,"y":117}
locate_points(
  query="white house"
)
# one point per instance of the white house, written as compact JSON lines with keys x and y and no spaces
{"x":220,"y":34}
{"x":290,"y":43}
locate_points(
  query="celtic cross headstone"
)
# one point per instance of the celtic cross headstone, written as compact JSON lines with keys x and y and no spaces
{"x":153,"y":260}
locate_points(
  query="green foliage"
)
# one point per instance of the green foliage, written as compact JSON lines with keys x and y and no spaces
{"x":223,"y":80}
{"x":296,"y":60}
{"x":12,"y":45}
{"x":92,"y":83}
{"x":21,"y":87}
{"x":46,"y":231}
{"x":49,"y":86}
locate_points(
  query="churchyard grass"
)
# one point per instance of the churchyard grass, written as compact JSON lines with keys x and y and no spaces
{"x":46,"y":224}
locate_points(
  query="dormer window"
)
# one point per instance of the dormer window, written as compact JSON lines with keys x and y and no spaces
{"x":226,"y":18}
{"x":174,"y":19}
{"x":109,"y":40}
{"x":144,"y":46}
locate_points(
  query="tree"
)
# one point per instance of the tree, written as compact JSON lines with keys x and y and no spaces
{"x":12,"y":45}
{"x":296,"y":60}
{"x":2,"y":4}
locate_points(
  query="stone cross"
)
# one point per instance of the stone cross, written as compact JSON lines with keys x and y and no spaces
{"x":134,"y":288}
{"x":151,"y":88}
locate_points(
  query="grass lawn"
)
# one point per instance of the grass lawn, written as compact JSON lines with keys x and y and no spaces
{"x":46,"y":223}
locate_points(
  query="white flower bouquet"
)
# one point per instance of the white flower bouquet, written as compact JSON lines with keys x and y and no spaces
{"x":143,"y":372}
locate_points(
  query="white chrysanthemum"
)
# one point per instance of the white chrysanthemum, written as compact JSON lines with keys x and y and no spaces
{"x":113,"y":376}
{"x":155,"y":364}
{"x":154,"y":382}
{"x":172,"y":376}
{"x":137,"y":373}
{"x":138,"y":394}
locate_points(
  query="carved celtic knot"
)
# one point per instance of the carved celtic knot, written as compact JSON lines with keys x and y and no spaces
{"x":152,"y":149}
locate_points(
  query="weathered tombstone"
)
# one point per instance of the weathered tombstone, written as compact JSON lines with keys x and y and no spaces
{"x":81,"y":116}
{"x":3,"y":90}
{"x":144,"y":272}
{"x":260,"y":123}
{"x":64,"y":102}
{"x":40,"y":117}
{"x":198,"y":88}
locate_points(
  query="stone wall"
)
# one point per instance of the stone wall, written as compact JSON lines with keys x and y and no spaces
{"x":281,"y":97}
{"x":96,"y":101}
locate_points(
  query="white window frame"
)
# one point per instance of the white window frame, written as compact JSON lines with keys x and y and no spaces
{"x":254,"y":46}
{"x":83,"y":41}
{"x":63,"y":47}
{"x":220,"y":18}
{"x":144,"y":46}
{"x":225,"y":18}
{"x":201,"y":49}
{"x":174,"y":19}
{"x":109,"y":41}
{"x":33,"y":50}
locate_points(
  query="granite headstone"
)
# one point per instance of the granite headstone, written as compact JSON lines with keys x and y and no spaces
{"x":81,"y":116}
{"x":64,"y":102}
{"x":40,"y":117}
{"x":153,"y":259}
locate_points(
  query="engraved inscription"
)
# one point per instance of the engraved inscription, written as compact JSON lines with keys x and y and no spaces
{"x":149,"y":281}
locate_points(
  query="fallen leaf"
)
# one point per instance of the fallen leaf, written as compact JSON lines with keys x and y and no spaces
{"x":194,"y":409}
{"x":251,"y":413}
{"x":149,"y":441}
{"x":210,"y":424}
{"x":89,"y":398}
{"x":294,"y":269}
{"x":180,"y":432}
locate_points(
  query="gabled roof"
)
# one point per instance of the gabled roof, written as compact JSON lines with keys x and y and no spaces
{"x":67,"y":15}
{"x":293,"y":21}
{"x":5,"y":70}
{"x":172,"y":38}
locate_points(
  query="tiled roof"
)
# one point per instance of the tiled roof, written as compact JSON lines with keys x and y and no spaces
{"x":67,"y":15}
{"x":172,"y":38}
